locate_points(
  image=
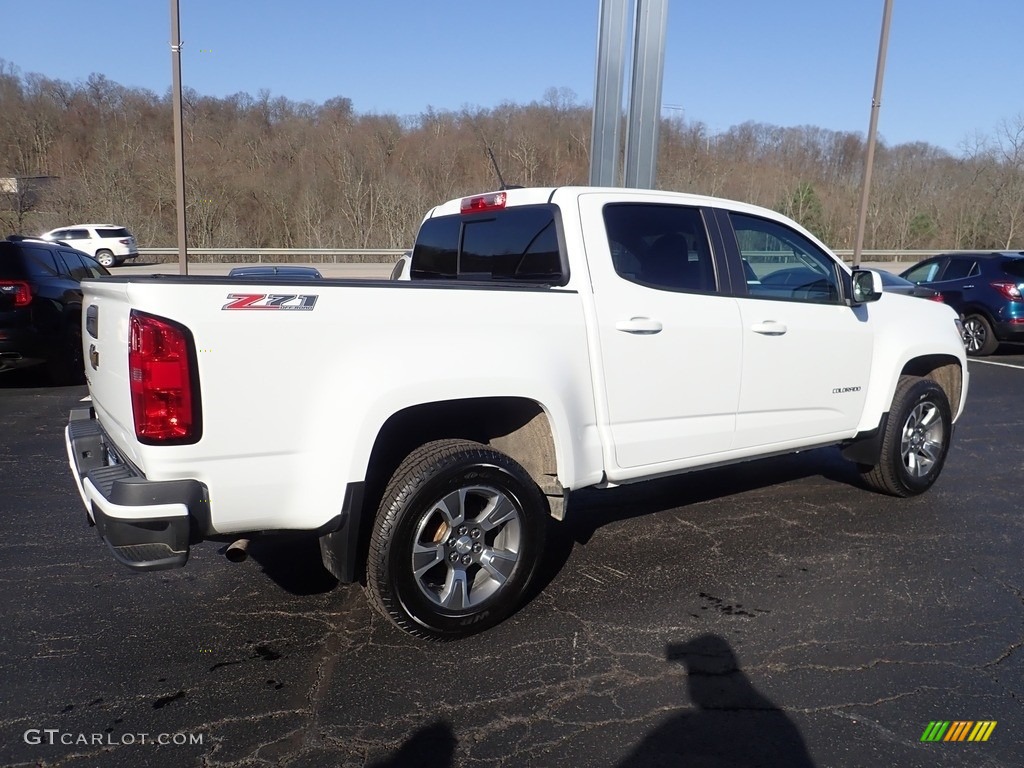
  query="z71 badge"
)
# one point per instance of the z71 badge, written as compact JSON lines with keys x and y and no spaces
{"x":289,"y":301}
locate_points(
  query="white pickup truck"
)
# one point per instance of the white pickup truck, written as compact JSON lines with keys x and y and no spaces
{"x":548,"y":340}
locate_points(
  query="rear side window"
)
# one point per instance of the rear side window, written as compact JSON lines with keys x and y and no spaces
{"x":660,"y":246}
{"x":92,"y":267}
{"x":39,"y":262}
{"x":75,"y":265}
{"x":1014,"y":267}
{"x":113,"y":232}
{"x":11,"y":267}
{"x":959,"y":268}
{"x":518,"y":243}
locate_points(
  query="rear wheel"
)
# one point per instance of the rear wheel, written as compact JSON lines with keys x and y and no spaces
{"x":916,"y":439}
{"x":456,"y":541}
{"x":979,"y":338}
{"x":106,"y":258}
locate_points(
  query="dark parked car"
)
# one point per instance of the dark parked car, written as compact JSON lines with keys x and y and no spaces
{"x":987,"y":289}
{"x":41,"y":306}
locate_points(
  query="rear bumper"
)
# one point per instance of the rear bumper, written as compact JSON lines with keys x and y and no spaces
{"x":1010,"y":331}
{"x":23,"y":346}
{"x":147,"y":524}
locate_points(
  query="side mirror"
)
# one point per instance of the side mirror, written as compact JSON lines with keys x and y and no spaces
{"x":867,"y":286}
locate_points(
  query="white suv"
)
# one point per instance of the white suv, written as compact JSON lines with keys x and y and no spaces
{"x":109,"y":244}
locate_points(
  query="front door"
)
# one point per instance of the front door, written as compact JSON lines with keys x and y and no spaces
{"x":807,"y":355}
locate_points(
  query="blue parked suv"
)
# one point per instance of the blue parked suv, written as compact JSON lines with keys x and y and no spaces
{"x":987,"y":289}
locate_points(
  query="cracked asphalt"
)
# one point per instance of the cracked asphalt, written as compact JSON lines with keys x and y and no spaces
{"x":773,"y":614}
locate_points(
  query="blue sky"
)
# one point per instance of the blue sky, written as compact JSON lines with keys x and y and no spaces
{"x":954,"y":68}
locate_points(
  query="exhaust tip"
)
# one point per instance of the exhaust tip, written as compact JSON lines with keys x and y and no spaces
{"x":238,"y":551}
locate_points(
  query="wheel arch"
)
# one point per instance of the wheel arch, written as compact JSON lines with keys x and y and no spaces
{"x":944,"y":370}
{"x":518,"y":427}
{"x":977,"y":308}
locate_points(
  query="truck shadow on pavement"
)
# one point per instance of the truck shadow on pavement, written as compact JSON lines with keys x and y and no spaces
{"x":293,"y":564}
{"x":590,"y":509}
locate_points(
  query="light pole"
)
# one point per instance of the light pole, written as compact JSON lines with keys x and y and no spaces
{"x":179,"y":138}
{"x":869,"y":161}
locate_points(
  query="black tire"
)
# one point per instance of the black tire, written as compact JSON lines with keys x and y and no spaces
{"x":916,"y":439}
{"x":437,"y":503}
{"x":106,"y":258}
{"x":979,"y":338}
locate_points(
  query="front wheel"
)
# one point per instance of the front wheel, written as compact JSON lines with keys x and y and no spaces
{"x":916,"y":439}
{"x":456,"y":541}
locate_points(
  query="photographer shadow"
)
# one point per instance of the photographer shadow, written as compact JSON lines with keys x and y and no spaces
{"x":734,"y":725}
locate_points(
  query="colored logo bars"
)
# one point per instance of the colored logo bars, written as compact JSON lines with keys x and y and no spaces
{"x":958,"y":730}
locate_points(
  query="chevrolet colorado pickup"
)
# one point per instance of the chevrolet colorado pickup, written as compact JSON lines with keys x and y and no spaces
{"x":425,"y":430}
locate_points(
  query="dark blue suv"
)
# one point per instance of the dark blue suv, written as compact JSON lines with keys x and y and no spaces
{"x":987,"y":289}
{"x":41,"y":306}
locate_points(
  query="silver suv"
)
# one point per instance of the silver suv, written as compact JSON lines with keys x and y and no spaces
{"x":109,"y":244}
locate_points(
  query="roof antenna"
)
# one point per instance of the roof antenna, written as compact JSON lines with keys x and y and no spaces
{"x":497,"y":170}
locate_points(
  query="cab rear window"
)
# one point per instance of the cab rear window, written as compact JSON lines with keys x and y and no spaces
{"x":518,"y":244}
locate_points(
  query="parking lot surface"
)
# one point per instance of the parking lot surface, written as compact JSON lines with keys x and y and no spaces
{"x":771,"y":614}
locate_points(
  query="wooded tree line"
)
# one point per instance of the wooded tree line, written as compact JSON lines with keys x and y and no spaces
{"x":265,"y":171}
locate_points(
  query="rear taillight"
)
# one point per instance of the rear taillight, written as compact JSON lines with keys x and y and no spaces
{"x":1010,"y":291}
{"x":19,"y":291}
{"x":938,"y":297}
{"x":162,"y":376}
{"x":125,"y":241}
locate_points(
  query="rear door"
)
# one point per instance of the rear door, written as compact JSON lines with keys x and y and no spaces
{"x":668,"y":335}
{"x":960,"y":282}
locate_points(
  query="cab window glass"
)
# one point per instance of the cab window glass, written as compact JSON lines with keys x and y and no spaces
{"x":660,"y":246}
{"x":781,"y":263}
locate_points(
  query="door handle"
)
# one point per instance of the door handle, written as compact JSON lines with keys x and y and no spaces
{"x":968,"y":286}
{"x":642,"y":326}
{"x":769,"y":328}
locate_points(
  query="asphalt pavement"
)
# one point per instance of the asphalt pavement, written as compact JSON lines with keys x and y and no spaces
{"x":771,"y":614}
